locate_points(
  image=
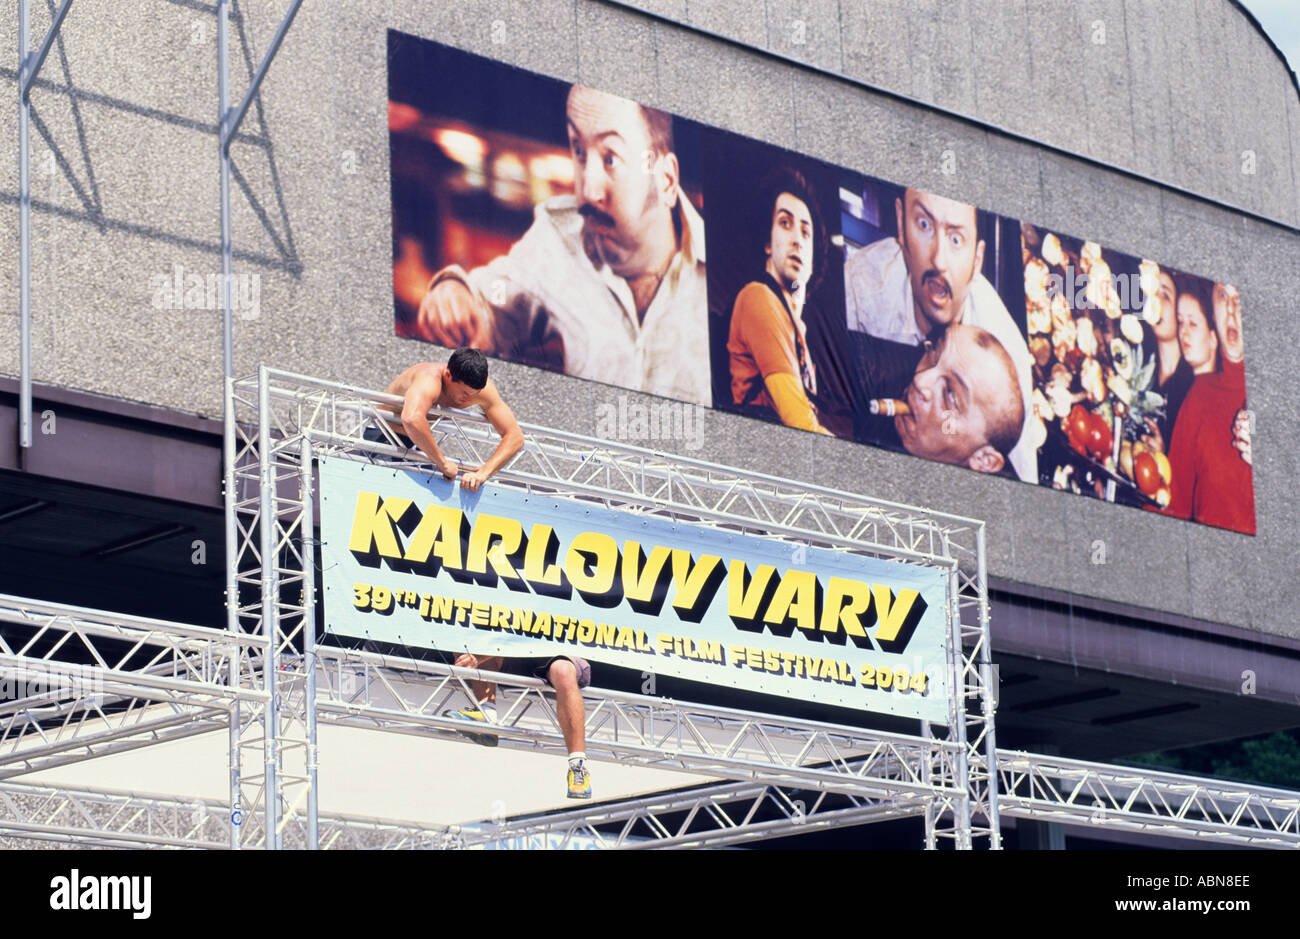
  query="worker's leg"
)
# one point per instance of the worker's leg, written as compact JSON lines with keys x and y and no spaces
{"x":483,"y":690}
{"x":485,"y":693}
{"x":563,"y":677}
{"x":568,"y":677}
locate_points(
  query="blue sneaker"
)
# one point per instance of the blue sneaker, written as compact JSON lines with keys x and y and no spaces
{"x":579,"y":780}
{"x":473,"y":714}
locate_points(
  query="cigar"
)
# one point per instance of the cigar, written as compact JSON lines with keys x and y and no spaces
{"x":890,"y":407}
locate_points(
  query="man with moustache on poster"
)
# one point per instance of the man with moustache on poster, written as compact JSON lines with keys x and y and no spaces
{"x":772,"y":370}
{"x":905,"y":289}
{"x":614,"y":275}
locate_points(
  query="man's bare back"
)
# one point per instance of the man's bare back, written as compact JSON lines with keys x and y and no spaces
{"x":431,"y":384}
{"x":431,"y":373}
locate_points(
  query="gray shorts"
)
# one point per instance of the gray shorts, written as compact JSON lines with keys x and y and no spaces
{"x":375,"y":435}
{"x":539,"y":667}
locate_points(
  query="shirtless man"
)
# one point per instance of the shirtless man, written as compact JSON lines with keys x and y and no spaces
{"x":460,"y":383}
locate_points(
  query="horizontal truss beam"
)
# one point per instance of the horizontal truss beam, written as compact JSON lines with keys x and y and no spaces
{"x":717,"y":741}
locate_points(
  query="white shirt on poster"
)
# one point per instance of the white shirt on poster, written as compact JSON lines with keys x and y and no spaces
{"x":878,"y":301}
{"x":546,"y":286}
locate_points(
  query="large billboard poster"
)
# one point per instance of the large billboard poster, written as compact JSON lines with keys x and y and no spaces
{"x":418,"y":561}
{"x":571,"y":229}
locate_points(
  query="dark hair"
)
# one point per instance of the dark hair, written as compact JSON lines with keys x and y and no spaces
{"x":469,"y":367}
{"x":787,"y":179}
{"x":1199,"y":289}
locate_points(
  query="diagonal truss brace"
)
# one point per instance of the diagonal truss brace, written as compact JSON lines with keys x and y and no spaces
{"x":359,"y":689}
{"x":841,"y":775}
{"x":290,"y":408}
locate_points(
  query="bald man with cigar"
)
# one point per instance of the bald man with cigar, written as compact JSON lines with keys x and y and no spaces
{"x":955,"y":399}
{"x":904,"y":289}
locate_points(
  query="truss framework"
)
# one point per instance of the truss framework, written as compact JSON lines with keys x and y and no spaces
{"x":110,"y":682}
{"x":95,"y":683}
{"x":156,"y":681}
{"x":283,"y":420}
{"x":783,"y":777}
{"x":639,"y":730}
{"x":714,"y":816}
{"x":1075,"y":792}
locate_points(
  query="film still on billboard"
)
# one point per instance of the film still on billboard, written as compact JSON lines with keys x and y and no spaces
{"x":418,"y":561}
{"x":574,"y":230}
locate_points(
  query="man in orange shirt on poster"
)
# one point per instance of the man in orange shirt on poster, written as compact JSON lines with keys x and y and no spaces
{"x":771,"y":365}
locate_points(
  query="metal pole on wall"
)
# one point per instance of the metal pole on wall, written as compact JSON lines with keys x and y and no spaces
{"x":28,"y":68}
{"x":228,"y":407}
{"x":227,"y":125}
{"x":24,"y":237}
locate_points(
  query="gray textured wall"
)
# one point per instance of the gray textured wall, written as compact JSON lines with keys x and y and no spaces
{"x":124,"y":170}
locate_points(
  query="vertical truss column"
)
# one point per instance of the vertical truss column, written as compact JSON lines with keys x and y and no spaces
{"x":308,"y":543}
{"x":974,"y":815}
{"x":236,"y":539}
{"x":282,"y":734}
{"x":244,"y":563}
{"x":958,"y":809}
{"x":932,"y":807}
{"x":269,"y":512}
{"x":974,"y":695}
{"x":988,"y":770}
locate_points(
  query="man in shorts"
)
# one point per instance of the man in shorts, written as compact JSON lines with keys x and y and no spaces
{"x":568,"y":675}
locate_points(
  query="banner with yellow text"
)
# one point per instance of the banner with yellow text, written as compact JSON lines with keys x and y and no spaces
{"x":418,"y":561}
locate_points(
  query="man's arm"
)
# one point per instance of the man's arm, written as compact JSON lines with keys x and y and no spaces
{"x":495,"y":307}
{"x":453,"y":314}
{"x":761,"y":325}
{"x":423,"y":391}
{"x":500,"y":416}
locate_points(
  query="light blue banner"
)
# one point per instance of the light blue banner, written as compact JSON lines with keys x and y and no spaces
{"x":418,"y":561}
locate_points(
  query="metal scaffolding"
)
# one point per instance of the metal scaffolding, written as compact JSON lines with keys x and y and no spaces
{"x":114,"y":683}
{"x":283,"y":420}
{"x":152,"y":682}
{"x":229,"y":119}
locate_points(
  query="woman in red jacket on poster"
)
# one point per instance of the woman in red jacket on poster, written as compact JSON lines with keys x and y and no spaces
{"x":1212,"y":479}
